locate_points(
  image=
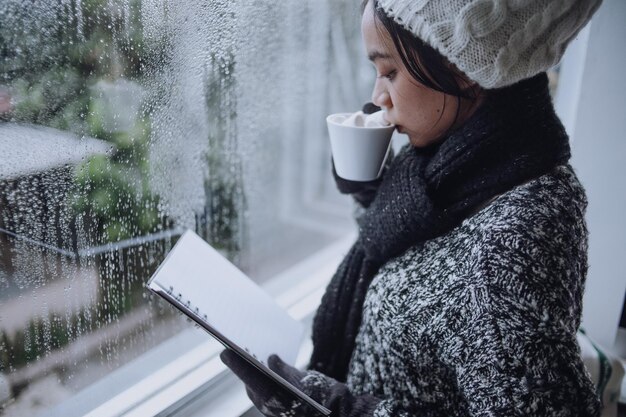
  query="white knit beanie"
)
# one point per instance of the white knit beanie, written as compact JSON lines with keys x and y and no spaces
{"x":495,"y":42}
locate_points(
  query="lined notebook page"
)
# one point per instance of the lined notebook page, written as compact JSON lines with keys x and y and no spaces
{"x":233,"y":304}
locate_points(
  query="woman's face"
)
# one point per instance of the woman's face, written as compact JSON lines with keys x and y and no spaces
{"x":422,"y":113}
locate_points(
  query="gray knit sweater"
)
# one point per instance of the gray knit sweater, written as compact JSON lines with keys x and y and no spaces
{"x":482,"y":321}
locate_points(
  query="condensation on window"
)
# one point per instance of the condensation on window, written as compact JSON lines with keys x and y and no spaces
{"x":125,"y":122}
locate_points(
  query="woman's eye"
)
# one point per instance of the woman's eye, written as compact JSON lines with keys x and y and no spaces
{"x":389,"y":75}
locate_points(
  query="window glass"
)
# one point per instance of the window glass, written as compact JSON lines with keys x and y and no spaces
{"x":125,"y":122}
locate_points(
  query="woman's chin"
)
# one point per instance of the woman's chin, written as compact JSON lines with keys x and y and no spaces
{"x":422,"y":141}
{"x":416,"y":141}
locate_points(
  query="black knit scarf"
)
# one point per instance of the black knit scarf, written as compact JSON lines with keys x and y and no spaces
{"x":513,"y":137}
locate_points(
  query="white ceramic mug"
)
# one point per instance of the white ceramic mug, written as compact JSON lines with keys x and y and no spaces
{"x":359,"y":153}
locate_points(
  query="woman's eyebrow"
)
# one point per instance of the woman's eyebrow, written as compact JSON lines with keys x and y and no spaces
{"x":374,"y":55}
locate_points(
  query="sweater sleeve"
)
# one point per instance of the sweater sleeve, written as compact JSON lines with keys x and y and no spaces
{"x":509,"y":332}
{"x":506,"y":372}
{"x":513,"y":360}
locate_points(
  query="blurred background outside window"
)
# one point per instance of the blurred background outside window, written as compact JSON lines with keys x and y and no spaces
{"x":125,"y":122}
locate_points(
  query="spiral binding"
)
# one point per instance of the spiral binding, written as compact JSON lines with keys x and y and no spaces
{"x":179,"y":297}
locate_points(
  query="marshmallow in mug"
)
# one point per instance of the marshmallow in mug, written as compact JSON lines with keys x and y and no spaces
{"x":360,"y":119}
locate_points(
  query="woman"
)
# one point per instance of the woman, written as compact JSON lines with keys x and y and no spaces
{"x":462,"y":295}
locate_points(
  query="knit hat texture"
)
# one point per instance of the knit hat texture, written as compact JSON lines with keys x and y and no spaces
{"x":495,"y":42}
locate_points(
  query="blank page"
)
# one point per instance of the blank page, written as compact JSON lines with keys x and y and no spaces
{"x":233,"y":304}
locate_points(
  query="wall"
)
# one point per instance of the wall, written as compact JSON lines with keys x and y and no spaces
{"x":591,"y":100}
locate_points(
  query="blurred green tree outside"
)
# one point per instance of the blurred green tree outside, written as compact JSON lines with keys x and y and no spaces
{"x":57,"y":70}
{"x":64,"y":67}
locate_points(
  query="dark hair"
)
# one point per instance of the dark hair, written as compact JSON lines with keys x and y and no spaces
{"x":426,"y":65}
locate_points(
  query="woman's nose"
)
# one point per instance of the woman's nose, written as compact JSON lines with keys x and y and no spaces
{"x":380,"y":97}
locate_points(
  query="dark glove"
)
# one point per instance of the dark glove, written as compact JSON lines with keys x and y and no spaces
{"x":273,"y":400}
{"x":362,"y":191}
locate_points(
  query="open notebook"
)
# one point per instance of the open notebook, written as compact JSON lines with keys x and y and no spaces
{"x":210,"y":290}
